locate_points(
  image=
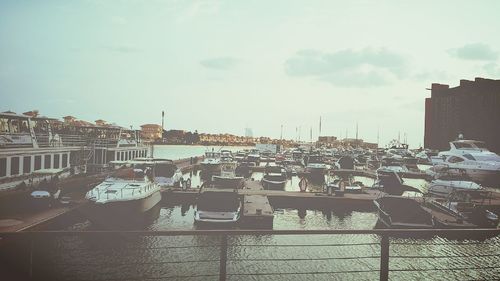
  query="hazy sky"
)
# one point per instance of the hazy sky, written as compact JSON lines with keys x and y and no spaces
{"x":219,"y":66}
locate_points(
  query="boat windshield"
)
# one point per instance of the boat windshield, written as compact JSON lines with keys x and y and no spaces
{"x":480,"y":144}
{"x":273,"y":169}
{"x":165,"y":170}
{"x":228,"y":167}
{"x":218,"y":201}
{"x":129,"y":174}
{"x":471,"y":145}
{"x":212,"y":154}
{"x":460,"y":145}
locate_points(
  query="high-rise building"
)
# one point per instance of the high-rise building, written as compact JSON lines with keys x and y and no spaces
{"x":471,"y":109}
{"x":248,"y":132}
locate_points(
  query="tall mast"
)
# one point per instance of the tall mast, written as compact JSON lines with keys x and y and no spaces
{"x":356,"y":131}
{"x":319,"y":127}
{"x":162,"y":119}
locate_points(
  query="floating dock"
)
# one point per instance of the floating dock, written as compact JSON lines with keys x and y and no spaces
{"x":257,"y":212}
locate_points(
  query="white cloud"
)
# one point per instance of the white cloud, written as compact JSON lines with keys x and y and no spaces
{"x":349,"y":68}
{"x":476,"y":51}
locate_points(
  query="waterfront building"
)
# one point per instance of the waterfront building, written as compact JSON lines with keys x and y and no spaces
{"x":34,"y":148}
{"x":471,"y":109}
{"x":329,"y":141}
{"x":30,"y":153}
{"x":151,"y":131}
{"x":352,"y":142}
{"x":100,"y":122}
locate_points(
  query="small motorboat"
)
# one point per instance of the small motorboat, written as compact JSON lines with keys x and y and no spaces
{"x":467,"y":205}
{"x":217,"y":207}
{"x":275,"y":178}
{"x":228,"y":177}
{"x":402,"y":212}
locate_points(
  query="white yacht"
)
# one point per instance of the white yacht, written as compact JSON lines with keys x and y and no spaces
{"x":217,"y":207}
{"x":211,"y":163}
{"x":274,"y":178}
{"x":228,"y":177}
{"x":474,"y":150}
{"x":124,"y":197}
{"x":444,"y":188}
{"x":166,"y":173}
{"x":473,"y":158}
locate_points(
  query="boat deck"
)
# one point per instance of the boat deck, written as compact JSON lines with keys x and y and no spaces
{"x":448,"y":220}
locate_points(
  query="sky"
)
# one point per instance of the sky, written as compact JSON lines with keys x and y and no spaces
{"x":220,"y":66}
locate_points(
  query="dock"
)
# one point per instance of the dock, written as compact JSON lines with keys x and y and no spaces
{"x":40,"y":220}
{"x":372,"y":174}
{"x":257,"y":212}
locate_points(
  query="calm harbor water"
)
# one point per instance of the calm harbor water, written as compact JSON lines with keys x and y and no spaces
{"x":175,"y":152}
{"x":263,"y":257}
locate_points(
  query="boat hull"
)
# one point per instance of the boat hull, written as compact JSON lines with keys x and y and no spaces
{"x":273,"y":185}
{"x":223,"y":182}
{"x":122,"y":214}
{"x":485,"y":177}
{"x":397,"y":212}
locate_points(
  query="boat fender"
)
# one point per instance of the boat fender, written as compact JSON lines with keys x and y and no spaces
{"x":303,"y":184}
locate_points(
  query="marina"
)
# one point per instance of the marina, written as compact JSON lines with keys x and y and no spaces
{"x":263,"y":140}
{"x":341,"y":199}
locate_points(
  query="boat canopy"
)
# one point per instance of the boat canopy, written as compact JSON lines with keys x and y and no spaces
{"x":217,"y":201}
{"x":469,"y":144}
{"x":48,"y":171}
{"x":129,"y":174}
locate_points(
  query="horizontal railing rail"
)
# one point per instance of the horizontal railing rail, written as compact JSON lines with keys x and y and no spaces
{"x":373,"y":256}
{"x":217,"y":232}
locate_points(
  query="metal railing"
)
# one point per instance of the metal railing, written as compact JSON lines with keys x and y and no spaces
{"x":224,"y":258}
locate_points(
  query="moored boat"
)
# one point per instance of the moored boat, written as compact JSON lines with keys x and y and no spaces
{"x":444,"y":188}
{"x":227,"y":177}
{"x":402,"y":212}
{"x":274,"y":178}
{"x":217,"y":207}
{"x":467,"y":205}
{"x":123,"y":198}
{"x":471,"y":158}
{"x":211,"y":163}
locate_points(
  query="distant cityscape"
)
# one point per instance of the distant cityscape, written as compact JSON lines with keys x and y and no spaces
{"x":479,"y":98}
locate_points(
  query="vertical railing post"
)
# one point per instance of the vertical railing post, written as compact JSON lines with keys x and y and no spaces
{"x":31,"y":257}
{"x":223,"y":259}
{"x":384,"y":258}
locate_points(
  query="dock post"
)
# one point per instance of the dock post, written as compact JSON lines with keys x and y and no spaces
{"x":223,"y":258}
{"x":384,"y":258}
{"x":30,"y":273}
